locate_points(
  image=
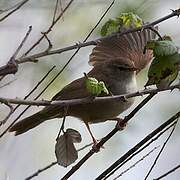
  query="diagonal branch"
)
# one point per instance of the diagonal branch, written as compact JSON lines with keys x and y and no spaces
{"x":96,"y":148}
{"x":139,"y":150}
{"x":12,"y":67}
{"x":138,"y":145}
{"x":53,"y":164}
{"x":14,"y":8}
{"x":11,"y":110}
{"x":160,"y":152}
{"x":137,"y":162}
{"x":89,"y":43}
{"x":55,"y":20}
{"x":57,"y":75}
{"x":167,"y":173}
{"x":36,"y":86}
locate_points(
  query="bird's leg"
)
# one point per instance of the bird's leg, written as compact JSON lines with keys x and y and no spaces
{"x":120,"y":123}
{"x":89,"y":130}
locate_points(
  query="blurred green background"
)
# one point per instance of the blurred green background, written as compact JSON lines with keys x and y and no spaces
{"x":21,"y":156}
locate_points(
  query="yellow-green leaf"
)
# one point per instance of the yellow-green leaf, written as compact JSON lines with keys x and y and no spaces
{"x":95,"y":87}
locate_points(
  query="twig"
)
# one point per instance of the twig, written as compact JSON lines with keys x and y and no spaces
{"x":89,"y":43}
{"x":137,"y":162}
{"x":16,"y":7}
{"x":37,"y":85}
{"x":41,"y":170}
{"x":63,"y":122}
{"x":49,"y":42}
{"x":11,"y":109}
{"x":138,"y":145}
{"x":53,"y":163}
{"x":47,"y":31}
{"x":140,"y":150}
{"x":8,"y":83}
{"x":139,"y":106}
{"x":167,"y":173}
{"x":88,"y":100}
{"x":160,"y":152}
{"x":102,"y":142}
{"x":12,"y":67}
{"x":55,"y":11}
{"x":57,"y":75}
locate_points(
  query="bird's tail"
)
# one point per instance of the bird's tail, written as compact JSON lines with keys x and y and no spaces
{"x":32,"y":121}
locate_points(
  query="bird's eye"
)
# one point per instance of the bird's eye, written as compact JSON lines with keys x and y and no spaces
{"x":122,"y":68}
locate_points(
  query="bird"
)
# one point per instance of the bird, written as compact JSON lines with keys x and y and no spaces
{"x":115,"y":61}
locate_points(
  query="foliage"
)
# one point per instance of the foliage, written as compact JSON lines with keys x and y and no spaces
{"x":123,"y":20}
{"x":164,"y":68}
{"x":96,"y":87}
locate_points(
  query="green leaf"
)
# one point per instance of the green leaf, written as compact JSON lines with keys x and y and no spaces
{"x":95,"y":87}
{"x":102,"y":87}
{"x":162,"y":47}
{"x":162,"y":69}
{"x":111,"y":26}
{"x":123,"y":20}
{"x":129,"y":19}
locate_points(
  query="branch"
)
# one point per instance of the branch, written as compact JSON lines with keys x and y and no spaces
{"x":160,"y":152}
{"x":169,"y":172}
{"x":57,"y":75}
{"x":12,"y":67}
{"x":53,"y":164}
{"x":138,"y":145}
{"x":15,"y":8}
{"x":137,"y":162}
{"x":89,"y":43}
{"x":96,"y":148}
{"x":9,"y":114}
{"x":87,"y":100}
{"x":54,"y":21}
{"x":140,"y":150}
{"x":37,"y":85}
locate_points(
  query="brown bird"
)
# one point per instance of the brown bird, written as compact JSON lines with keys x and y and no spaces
{"x":115,"y":62}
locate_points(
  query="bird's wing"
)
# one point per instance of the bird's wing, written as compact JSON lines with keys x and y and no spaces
{"x":129,"y":46}
{"x":77,"y":89}
{"x":70,"y":91}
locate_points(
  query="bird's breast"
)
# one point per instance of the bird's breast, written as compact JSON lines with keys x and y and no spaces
{"x":95,"y":112}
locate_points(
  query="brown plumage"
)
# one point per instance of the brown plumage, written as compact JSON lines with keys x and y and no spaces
{"x":114,"y":61}
{"x":129,"y":46}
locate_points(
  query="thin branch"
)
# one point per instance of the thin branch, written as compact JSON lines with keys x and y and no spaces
{"x":12,"y":67}
{"x":140,"y":150}
{"x":8,"y":83}
{"x":55,"y":10}
{"x":137,"y":162}
{"x":89,"y":43}
{"x":57,"y":75}
{"x":37,"y":85}
{"x":88,"y":100}
{"x":160,"y":152}
{"x":167,"y":173}
{"x":11,"y":110}
{"x":48,"y":30}
{"x":63,"y":122}
{"x":138,"y":146}
{"x":100,"y":144}
{"x":139,"y":106}
{"x":53,"y":164}
{"x":49,"y":42}
{"x":15,"y":8}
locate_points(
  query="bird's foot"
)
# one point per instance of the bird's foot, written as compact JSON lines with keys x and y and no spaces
{"x":121,"y":124}
{"x":95,"y":147}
